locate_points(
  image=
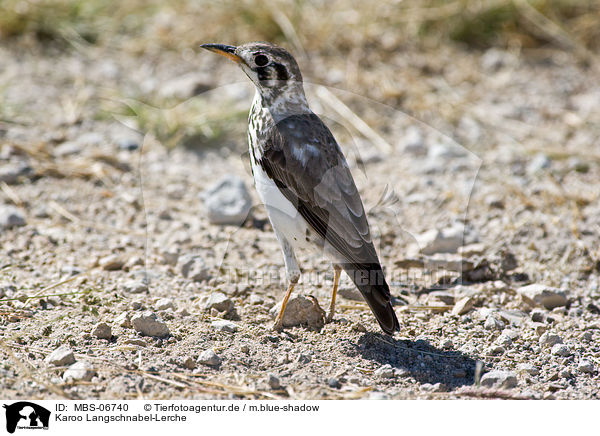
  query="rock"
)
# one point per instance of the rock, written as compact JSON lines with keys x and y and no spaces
{"x":538,"y":315}
{"x":499,"y":379}
{"x":440,"y":241}
{"x":227,"y":201}
{"x":256,"y":299}
{"x":528,"y":368}
{"x":543,"y":295}
{"x":210,"y":358}
{"x":136,"y":341}
{"x":224,"y":326}
{"x":220,"y":302}
{"x":495,"y":350}
{"x":384,"y":371}
{"x":12,"y":173}
{"x":539,"y":163}
{"x":333,"y":383}
{"x":301,"y":310}
{"x":188,"y":363}
{"x":164,"y":304}
{"x":447,"y":344}
{"x":79,"y":371}
{"x":585,"y":366}
{"x":550,"y":339}
{"x":67,"y":148}
{"x":350,"y":293}
{"x":463,"y":306}
{"x":148,"y":324}
{"x":135,"y":287}
{"x":412,"y":142}
{"x":273,"y":382}
{"x":442,"y":152}
{"x":62,"y":356}
{"x":112,"y":262}
{"x":493,"y":323}
{"x":10,"y":217}
{"x":123,"y":320}
{"x":560,"y":350}
{"x":128,"y":142}
{"x":194,"y":268}
{"x":494,"y":59}
{"x":102,"y":331}
{"x":184,"y":87}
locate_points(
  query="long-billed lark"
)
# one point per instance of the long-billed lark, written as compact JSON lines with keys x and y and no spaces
{"x":304,"y":181}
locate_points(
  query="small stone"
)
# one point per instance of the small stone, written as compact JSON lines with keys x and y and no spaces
{"x":463,"y":306}
{"x":528,"y":368}
{"x":495,"y":350}
{"x":62,"y":356}
{"x":189,"y":363}
{"x":333,"y":383}
{"x":543,"y":295}
{"x":123,"y":320}
{"x":350,"y":293}
{"x":493,"y":323}
{"x":550,"y":339}
{"x":539,"y":163}
{"x":227,"y":201}
{"x":412,"y":142}
{"x":12,"y":173}
{"x":358,"y":327}
{"x":111,"y":262}
{"x":102,"y":331}
{"x":585,"y":366}
{"x":136,"y":341}
{"x":135,"y":287}
{"x":385,"y":371}
{"x":184,"y":87}
{"x":79,"y":371}
{"x":128,"y":142}
{"x":301,"y":310}
{"x":256,"y":299}
{"x":148,"y":324}
{"x":133,"y":261}
{"x":164,"y":304}
{"x":538,"y":315}
{"x":560,"y":350}
{"x":245,"y":349}
{"x":224,"y":326}
{"x":273,"y":382}
{"x":220,"y":302}
{"x":441,"y":241}
{"x":10,"y":217}
{"x":194,"y":268}
{"x":499,"y":379}
{"x":447,"y":344}
{"x":210,"y":358}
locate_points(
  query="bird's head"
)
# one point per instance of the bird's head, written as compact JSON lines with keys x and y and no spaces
{"x":272,"y":69}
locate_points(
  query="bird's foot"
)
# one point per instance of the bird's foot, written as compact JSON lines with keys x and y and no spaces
{"x":277,"y":325}
{"x":329,"y":317}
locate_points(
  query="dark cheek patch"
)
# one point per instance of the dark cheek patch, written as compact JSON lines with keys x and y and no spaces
{"x":281,"y":71}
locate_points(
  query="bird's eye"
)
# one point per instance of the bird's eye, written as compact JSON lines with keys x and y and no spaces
{"x":261,"y":60}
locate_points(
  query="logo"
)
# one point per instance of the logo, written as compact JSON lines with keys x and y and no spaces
{"x":26,"y":415}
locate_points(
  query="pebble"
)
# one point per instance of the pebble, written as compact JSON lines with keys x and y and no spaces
{"x":128,"y":142}
{"x":463,"y":306}
{"x":385,"y":371}
{"x":227,"y":201}
{"x":62,"y":356}
{"x":256,"y":299}
{"x":585,"y":366}
{"x":493,"y":323}
{"x":538,"y":315}
{"x":189,"y":363}
{"x":184,"y":87}
{"x":82,"y":370}
{"x":539,"y":163}
{"x":528,"y":368}
{"x":220,"y":302}
{"x":550,"y":339}
{"x":441,"y":241}
{"x":194,"y":268}
{"x":164,"y":304}
{"x":495,"y":350}
{"x":224,"y":326}
{"x":112,"y":262}
{"x":447,"y":344}
{"x":543,"y":295}
{"x":123,"y":320}
{"x":334,"y":383}
{"x":499,"y":379}
{"x":102,"y":331}
{"x":148,"y":324}
{"x":10,"y":217}
{"x":210,"y":358}
{"x":412,"y":142}
{"x":273,"y":382}
{"x":11,"y":173}
{"x":135,"y":287}
{"x":301,"y":310}
{"x":560,"y":350}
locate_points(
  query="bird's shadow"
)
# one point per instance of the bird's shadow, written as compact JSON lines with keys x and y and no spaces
{"x":419,"y":360}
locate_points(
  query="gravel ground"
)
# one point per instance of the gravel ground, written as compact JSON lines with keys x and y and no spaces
{"x":137,"y":294}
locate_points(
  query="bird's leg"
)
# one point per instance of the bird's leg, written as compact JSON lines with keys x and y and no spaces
{"x":293,"y":275}
{"x":278,"y":324}
{"x":336,"y":280}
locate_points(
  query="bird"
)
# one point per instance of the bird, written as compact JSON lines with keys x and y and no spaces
{"x":303,"y":179}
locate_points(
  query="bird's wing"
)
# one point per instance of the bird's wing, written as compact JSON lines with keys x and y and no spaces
{"x":303,"y":159}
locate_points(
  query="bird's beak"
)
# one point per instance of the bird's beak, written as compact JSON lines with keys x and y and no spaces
{"x":224,"y":50}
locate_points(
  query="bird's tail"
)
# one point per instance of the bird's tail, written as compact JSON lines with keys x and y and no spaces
{"x":370,"y":281}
